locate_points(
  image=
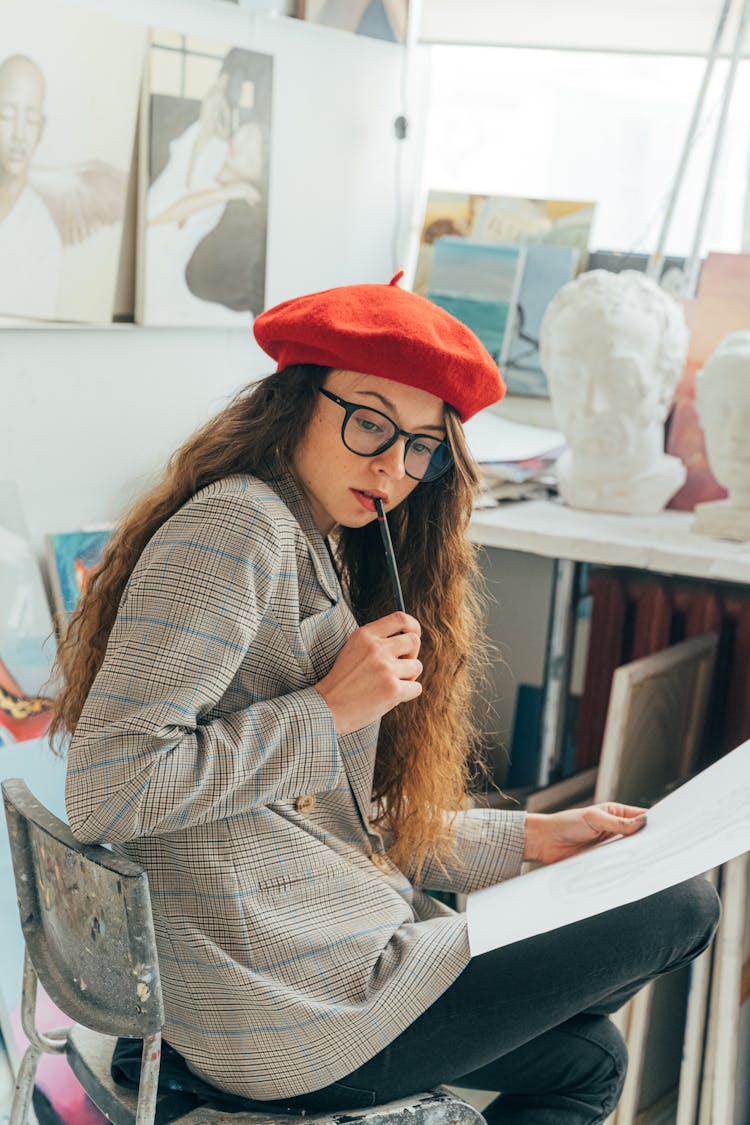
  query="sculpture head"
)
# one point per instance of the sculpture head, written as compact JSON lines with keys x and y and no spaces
{"x":723,"y":401}
{"x":613,"y":347}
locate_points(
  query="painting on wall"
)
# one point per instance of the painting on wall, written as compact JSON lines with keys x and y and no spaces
{"x":27,"y":646}
{"x":496,"y":218}
{"x":547,"y":269}
{"x":69,"y":87}
{"x":380,"y":19}
{"x":479,"y":284}
{"x":203,"y":191}
{"x":72,"y":555}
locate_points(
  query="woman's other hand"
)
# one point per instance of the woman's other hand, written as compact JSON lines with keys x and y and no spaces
{"x":375,"y":671}
{"x":554,"y":836}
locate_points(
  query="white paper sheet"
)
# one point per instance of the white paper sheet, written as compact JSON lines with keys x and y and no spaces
{"x":493,"y":439}
{"x":704,"y":823}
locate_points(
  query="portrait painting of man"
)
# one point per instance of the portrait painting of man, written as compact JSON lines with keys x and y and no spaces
{"x":69,"y":82}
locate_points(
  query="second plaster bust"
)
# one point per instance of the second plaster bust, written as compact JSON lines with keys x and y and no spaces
{"x":723,"y":401}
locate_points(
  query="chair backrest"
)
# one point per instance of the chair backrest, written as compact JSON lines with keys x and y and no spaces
{"x":86,"y":920}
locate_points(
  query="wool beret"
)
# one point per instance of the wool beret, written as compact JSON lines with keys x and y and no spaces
{"x":388,"y":331}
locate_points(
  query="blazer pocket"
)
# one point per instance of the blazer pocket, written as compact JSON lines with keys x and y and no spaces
{"x":309,"y":875}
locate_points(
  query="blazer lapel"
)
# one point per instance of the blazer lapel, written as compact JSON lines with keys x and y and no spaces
{"x":290,"y":492}
{"x":358,"y":748}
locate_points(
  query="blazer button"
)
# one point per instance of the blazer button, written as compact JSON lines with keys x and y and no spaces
{"x":305,"y":804}
{"x":380,"y":861}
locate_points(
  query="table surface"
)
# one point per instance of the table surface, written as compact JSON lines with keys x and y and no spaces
{"x":662,"y":542}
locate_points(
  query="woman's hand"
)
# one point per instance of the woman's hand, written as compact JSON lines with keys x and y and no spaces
{"x":554,"y":836}
{"x":375,"y":671}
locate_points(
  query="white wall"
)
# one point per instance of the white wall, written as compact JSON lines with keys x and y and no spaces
{"x":86,"y":415}
{"x":663,"y":26}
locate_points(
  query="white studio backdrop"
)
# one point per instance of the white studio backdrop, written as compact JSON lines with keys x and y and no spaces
{"x":655,"y":26}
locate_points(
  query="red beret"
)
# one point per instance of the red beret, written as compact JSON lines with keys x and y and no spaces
{"x":387,"y":331}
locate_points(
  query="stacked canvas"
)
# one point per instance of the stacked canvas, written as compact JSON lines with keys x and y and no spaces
{"x":523,"y":251}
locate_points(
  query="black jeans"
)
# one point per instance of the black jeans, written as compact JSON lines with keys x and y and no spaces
{"x":531,"y":1019}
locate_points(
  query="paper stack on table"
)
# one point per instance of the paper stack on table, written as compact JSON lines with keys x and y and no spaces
{"x":516,"y":461}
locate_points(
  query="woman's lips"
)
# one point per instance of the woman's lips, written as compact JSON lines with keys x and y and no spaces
{"x":367,"y":501}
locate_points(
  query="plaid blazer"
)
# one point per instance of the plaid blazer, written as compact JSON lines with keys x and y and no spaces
{"x":291,"y":949}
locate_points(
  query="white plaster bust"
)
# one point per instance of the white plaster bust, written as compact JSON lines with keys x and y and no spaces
{"x":613,"y":347}
{"x":722,"y":393}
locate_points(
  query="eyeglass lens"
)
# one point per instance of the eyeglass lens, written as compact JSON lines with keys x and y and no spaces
{"x":368,"y":431}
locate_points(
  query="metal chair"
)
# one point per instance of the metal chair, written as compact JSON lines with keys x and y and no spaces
{"x":87,"y":924}
{"x":86,"y":921}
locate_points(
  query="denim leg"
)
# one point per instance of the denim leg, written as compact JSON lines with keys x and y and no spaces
{"x":517,"y":995}
{"x":572,"y":1074}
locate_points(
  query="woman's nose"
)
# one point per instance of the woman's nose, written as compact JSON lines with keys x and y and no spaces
{"x":391,"y":460}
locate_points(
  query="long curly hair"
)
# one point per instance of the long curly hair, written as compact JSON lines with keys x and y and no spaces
{"x":427,"y":749}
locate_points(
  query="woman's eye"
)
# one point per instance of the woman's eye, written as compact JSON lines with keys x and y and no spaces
{"x":421,"y":449}
{"x":367,"y":424}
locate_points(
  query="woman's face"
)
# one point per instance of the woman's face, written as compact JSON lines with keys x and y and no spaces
{"x":336,"y":481}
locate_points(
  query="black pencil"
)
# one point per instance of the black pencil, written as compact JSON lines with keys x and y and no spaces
{"x":390,"y":558}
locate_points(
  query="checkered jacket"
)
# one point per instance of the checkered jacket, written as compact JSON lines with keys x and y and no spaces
{"x":291,"y":949}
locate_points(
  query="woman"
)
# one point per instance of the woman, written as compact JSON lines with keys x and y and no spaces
{"x":287,"y":757}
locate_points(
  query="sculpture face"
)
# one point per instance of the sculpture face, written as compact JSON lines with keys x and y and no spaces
{"x":603,"y":380}
{"x":723,"y":399}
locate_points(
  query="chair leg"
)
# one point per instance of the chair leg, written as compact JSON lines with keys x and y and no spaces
{"x":52,"y":1042}
{"x":19,"y":1110}
{"x":150,"y":1063}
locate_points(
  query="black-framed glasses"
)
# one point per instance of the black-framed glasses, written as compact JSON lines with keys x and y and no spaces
{"x":368,"y":432}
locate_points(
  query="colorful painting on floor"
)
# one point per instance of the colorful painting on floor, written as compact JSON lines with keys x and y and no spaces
{"x":479,"y":284}
{"x":203,"y":200}
{"x":27,"y":645}
{"x":69,"y":88}
{"x":72,"y":555}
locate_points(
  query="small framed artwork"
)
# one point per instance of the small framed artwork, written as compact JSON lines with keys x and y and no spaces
{"x":380,"y":19}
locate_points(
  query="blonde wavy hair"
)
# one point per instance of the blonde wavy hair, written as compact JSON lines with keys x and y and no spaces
{"x":427,"y":749}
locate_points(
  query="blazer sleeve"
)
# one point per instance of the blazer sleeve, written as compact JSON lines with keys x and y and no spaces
{"x":147,"y":756}
{"x":489,"y":846}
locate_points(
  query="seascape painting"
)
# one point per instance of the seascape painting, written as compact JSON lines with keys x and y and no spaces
{"x":203,"y":208}
{"x":479,"y":284}
{"x":69,"y":87}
